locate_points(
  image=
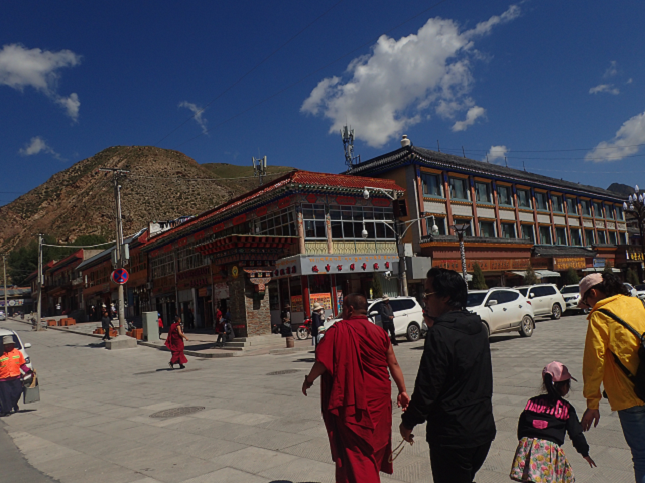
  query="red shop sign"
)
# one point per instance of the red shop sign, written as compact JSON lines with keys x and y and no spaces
{"x":345,"y":200}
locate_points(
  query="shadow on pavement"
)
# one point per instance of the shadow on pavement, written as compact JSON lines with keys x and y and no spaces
{"x":306,"y":359}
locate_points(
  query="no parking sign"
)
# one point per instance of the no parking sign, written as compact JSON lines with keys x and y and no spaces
{"x":120,"y":276}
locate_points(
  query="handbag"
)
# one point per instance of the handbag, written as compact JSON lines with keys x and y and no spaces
{"x":31,"y":393}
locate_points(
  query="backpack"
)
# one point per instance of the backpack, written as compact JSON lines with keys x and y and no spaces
{"x":639,"y":378}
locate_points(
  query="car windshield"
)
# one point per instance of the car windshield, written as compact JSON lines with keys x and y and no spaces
{"x":523,"y":291}
{"x":572,"y":289}
{"x":475,"y":299}
{"x":640,"y":287}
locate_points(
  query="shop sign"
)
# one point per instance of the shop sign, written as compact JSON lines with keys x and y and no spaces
{"x":261,"y":211}
{"x":14,"y":302}
{"x":203,"y":292}
{"x":296,"y":303}
{"x":311,"y":198}
{"x":336,"y":264}
{"x":220,"y":291}
{"x":323,"y":299}
{"x":485,"y":265}
{"x":345,"y":200}
{"x":380,"y":202}
{"x":235,"y":272}
{"x":634,"y":255}
{"x":284,"y":202}
{"x":560,"y":264}
{"x":599,"y":263}
{"x":239,"y":219}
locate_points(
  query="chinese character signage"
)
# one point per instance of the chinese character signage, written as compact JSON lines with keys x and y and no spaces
{"x":560,"y":264}
{"x":296,"y":303}
{"x":323,"y":299}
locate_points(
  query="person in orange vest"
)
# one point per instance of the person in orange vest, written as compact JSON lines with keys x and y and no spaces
{"x":11,"y":363}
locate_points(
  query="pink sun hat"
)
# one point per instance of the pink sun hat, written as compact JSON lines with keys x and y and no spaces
{"x":586,"y":283}
{"x":558,"y":371}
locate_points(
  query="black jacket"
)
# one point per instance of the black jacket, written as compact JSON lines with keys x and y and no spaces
{"x":385,"y":311}
{"x":316,"y":322}
{"x":454,"y":386}
{"x":106,"y":323}
{"x":544,"y":418}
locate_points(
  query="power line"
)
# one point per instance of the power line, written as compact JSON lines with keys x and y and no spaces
{"x":256,"y":66}
{"x":204,"y":179}
{"x":370,"y":42}
{"x":546,"y":150}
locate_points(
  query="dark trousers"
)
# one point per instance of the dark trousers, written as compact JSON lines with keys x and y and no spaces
{"x":107,"y":333}
{"x":389,"y":327}
{"x":457,"y":465}
{"x":10,"y":392}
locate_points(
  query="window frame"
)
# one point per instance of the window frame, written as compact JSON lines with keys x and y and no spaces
{"x":572,"y":203}
{"x":574,"y":238}
{"x":595,"y":214}
{"x":465,"y":183}
{"x":532,"y":227}
{"x":538,"y":195}
{"x":487,"y":222}
{"x":548,"y":227}
{"x":560,"y":204}
{"x":509,"y":192}
{"x":424,"y":185}
{"x":529,"y":198}
{"x":512,"y":225}
{"x":489,"y":192}
{"x":563,"y":230}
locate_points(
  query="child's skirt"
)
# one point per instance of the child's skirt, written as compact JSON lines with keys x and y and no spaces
{"x":540,"y":461}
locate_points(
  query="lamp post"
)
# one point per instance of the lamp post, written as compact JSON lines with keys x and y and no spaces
{"x":460,"y":230}
{"x":636,"y":208}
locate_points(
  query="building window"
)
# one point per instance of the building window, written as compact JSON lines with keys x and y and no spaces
{"x":576,"y":241}
{"x":560,"y":235}
{"x":613,"y":239}
{"x":483,"y":192}
{"x":162,"y":266}
{"x":431,"y":184}
{"x":528,"y":233}
{"x":348,"y":221}
{"x":557,"y":203}
{"x":619,"y":213}
{"x":524,"y":199}
{"x":572,"y":206}
{"x":602,"y":238}
{"x":622,"y":236}
{"x":458,"y":189}
{"x":462,"y":221}
{"x":590,"y":237}
{"x":487,"y":229}
{"x":280,"y":223}
{"x":189,"y":258}
{"x":609,"y":209}
{"x":586,"y":207}
{"x":545,"y":235}
{"x":540,"y":201}
{"x":313,"y":217}
{"x":597,"y":209}
{"x":508,"y":230}
{"x":440,"y":221}
{"x":504,"y":195}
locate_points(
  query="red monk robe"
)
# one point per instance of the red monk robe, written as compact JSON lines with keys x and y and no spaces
{"x":356,"y":399}
{"x":175,"y":343}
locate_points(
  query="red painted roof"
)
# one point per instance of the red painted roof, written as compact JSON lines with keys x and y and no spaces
{"x":306,"y":178}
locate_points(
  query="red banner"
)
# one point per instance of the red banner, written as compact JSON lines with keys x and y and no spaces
{"x":345,"y":200}
{"x":239,"y":219}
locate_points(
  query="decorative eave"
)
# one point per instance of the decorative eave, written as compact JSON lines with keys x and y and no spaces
{"x":234,"y":248}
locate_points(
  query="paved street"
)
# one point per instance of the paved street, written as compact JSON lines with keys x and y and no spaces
{"x":94,"y":421}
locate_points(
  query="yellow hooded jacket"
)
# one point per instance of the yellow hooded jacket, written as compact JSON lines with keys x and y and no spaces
{"x":604,"y":334}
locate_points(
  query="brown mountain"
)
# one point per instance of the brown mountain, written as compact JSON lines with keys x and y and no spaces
{"x":80,"y":199}
{"x":242,"y":176}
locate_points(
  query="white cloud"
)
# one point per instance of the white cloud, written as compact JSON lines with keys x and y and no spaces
{"x":37,"y":145}
{"x":609,"y":88}
{"x":390,"y":89}
{"x":611,"y":71}
{"x":39,"y":69}
{"x":197,"y":114}
{"x":471,"y":116}
{"x":626,"y":142}
{"x":495,"y":153}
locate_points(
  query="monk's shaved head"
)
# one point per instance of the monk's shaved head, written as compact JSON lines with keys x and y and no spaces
{"x":358,"y":302}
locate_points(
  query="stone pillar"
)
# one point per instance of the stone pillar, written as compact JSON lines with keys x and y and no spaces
{"x":258,"y":315}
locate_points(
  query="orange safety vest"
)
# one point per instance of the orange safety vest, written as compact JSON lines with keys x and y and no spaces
{"x":10,"y":363}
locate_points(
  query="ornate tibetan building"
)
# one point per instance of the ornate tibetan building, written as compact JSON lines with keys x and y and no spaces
{"x":513,"y":218}
{"x":303,"y":238}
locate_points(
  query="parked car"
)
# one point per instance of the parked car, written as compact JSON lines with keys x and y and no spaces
{"x":20,"y":346}
{"x":545,"y":299}
{"x":631,"y":289}
{"x":408,"y":316}
{"x":2,"y":315}
{"x":640,"y":291}
{"x":571,"y":294}
{"x":502,"y":310}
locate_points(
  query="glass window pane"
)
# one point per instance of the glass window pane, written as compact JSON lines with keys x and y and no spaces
{"x":557,"y":203}
{"x":458,"y":189}
{"x":381,"y":231}
{"x":612,"y":238}
{"x":320,"y":229}
{"x":487,"y":229}
{"x":560,"y":236}
{"x":575,"y":237}
{"x":524,"y":198}
{"x":431,"y":184}
{"x":602,"y":238}
{"x":504,"y":195}
{"x":572,"y":206}
{"x":527,"y":232}
{"x":508,"y":230}
{"x":545,"y":235}
{"x":540,"y":201}
{"x":336,"y":229}
{"x":482,"y":191}
{"x":310,"y":229}
{"x":348,"y":230}
{"x":597,"y":208}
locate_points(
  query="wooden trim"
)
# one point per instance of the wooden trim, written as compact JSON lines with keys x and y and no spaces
{"x":540,"y":190}
{"x":527,"y":223}
{"x":433,"y":198}
{"x":483,"y":180}
{"x":475,"y":245}
{"x":525,"y":210}
{"x":488,"y":219}
{"x":496,"y":201}
{"x":460,"y":202}
{"x":506,"y":208}
{"x":522,"y":187}
{"x":430,"y":170}
{"x":475,"y":217}
{"x":458,"y":175}
{"x":504,"y":183}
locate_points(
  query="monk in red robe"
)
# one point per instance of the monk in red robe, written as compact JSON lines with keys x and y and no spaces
{"x":356,"y":393}
{"x":175,"y":342}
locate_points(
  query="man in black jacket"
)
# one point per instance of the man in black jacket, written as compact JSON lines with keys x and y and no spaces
{"x":454,"y":386}
{"x":387,"y":318}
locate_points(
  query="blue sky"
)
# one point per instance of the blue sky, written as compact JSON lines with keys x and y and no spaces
{"x":556,"y":87}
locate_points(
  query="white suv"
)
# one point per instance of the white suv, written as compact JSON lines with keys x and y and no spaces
{"x":545,"y":299}
{"x":571,"y":294}
{"x":502,"y":310}
{"x":408,"y":316}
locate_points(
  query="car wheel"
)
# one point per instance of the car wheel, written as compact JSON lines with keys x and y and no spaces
{"x":556,"y":311}
{"x":486,"y":328}
{"x":526,"y":328}
{"x":414,"y":332}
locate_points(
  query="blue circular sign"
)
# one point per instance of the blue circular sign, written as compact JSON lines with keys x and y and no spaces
{"x":120,"y":276}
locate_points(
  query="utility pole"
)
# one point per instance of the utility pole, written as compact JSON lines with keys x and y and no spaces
{"x":260,"y":167}
{"x":4,"y":267}
{"x":116,"y":175}
{"x":39,"y":281}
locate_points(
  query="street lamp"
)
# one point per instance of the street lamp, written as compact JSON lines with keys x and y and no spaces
{"x":636,"y":209}
{"x":435,"y":229}
{"x":460,"y":230}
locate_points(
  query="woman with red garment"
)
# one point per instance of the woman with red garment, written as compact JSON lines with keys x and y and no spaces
{"x":175,"y":342}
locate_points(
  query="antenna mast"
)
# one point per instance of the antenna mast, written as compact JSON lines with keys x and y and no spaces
{"x":347,"y":133}
{"x":260,"y":167}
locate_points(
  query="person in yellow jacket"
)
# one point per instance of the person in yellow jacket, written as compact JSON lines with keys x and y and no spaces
{"x":604,"y":337}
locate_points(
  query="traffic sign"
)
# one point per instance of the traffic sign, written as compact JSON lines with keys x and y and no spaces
{"x":120,"y":276}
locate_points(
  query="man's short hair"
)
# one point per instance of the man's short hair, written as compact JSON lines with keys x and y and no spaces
{"x":177,"y":318}
{"x":358,"y":302}
{"x":448,"y":283}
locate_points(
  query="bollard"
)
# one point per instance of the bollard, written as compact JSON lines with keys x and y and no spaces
{"x":290,"y":342}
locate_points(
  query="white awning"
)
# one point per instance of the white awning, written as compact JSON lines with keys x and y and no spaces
{"x":538,"y":273}
{"x":615,"y":270}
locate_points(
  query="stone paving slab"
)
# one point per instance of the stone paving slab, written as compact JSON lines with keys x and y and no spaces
{"x":93,"y":422}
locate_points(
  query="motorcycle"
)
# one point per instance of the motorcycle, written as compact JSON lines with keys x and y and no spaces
{"x":304,"y":331}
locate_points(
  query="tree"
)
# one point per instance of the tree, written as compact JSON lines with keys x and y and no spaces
{"x":479,"y":282}
{"x":632,"y":277}
{"x":530,"y":278}
{"x":570,"y":277}
{"x":608,"y":270}
{"x":377,"y":290}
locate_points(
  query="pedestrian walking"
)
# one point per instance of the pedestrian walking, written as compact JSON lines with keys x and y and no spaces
{"x":220,"y":329}
{"x":387,"y":318}
{"x":106,"y":324}
{"x":454,"y":386}
{"x":175,"y":342}
{"x":159,"y":322}
{"x":285,"y":318}
{"x":317,"y":321}
{"x":12,"y":362}
{"x":541,"y":430}
{"x":612,"y":357}
{"x":218,"y":316}
{"x":353,"y":359}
